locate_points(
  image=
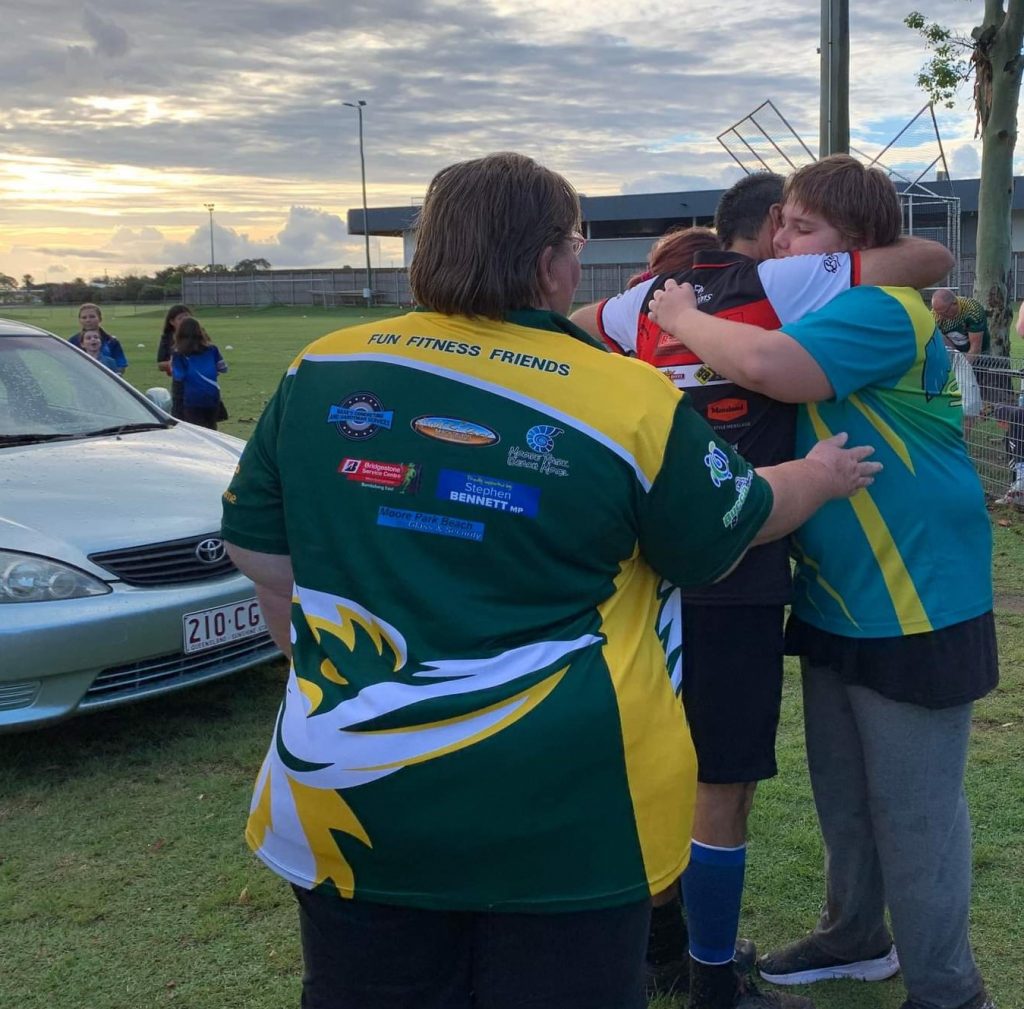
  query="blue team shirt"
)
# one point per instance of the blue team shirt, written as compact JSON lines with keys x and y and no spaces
{"x":198,"y":373}
{"x":111,"y":348}
{"x":913,"y":552}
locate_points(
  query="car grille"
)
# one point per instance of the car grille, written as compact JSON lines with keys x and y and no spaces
{"x":172,"y":563}
{"x":18,"y":695}
{"x":137,"y":678}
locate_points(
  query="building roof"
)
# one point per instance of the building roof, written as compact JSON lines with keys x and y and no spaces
{"x":394,"y":221}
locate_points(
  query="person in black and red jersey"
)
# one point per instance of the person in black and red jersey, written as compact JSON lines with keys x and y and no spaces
{"x":733,"y":630}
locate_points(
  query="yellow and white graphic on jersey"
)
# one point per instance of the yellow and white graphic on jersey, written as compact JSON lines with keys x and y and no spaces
{"x":294,"y":811}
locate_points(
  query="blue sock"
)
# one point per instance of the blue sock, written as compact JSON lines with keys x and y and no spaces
{"x":712,"y":891}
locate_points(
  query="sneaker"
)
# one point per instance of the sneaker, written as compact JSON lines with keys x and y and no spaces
{"x":804,"y":962}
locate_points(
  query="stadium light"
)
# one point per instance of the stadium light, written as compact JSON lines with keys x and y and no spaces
{"x":209,"y":207}
{"x":358,"y":105}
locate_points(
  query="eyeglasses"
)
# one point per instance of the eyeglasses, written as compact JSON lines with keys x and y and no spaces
{"x":576,"y":242}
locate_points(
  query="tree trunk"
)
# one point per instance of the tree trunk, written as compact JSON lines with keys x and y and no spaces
{"x":998,"y":76}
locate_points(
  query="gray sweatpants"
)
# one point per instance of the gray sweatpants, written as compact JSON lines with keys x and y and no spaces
{"x":888,"y":786}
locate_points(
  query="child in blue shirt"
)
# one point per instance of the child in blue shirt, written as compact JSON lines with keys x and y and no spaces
{"x":91,"y":342}
{"x":196,"y":363}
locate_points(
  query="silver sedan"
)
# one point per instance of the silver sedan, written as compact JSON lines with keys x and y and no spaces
{"x":114,"y":583}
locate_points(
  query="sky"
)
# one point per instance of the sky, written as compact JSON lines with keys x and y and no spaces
{"x":124,"y":118}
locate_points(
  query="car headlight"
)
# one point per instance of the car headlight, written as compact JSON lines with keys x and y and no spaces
{"x":28,"y":579}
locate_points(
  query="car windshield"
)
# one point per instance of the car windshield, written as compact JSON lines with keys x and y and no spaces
{"x":49,"y":392}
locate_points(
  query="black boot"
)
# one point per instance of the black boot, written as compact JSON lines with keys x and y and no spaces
{"x":668,"y":959}
{"x":723,"y":986}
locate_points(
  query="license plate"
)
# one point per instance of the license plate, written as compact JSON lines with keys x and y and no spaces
{"x":220,"y":625}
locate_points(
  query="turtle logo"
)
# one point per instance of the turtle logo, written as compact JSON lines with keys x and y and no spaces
{"x":717,"y":463}
{"x":541,"y":438}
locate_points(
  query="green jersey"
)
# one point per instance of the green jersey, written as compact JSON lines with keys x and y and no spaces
{"x":970,"y":317}
{"x":482,"y":709}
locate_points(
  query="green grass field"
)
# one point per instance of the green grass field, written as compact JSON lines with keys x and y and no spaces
{"x":124,"y":879}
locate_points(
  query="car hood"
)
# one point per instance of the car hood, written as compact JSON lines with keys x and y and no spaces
{"x":69,"y":499}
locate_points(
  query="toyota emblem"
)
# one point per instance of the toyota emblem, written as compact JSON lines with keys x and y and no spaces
{"x":210,"y":551}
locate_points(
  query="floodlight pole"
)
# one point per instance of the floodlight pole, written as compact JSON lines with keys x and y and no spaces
{"x":834,"y":121}
{"x":209,"y":207}
{"x":358,"y":105}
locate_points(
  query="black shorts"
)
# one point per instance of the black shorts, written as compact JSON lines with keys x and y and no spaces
{"x":732,"y":689}
{"x":372,"y":956}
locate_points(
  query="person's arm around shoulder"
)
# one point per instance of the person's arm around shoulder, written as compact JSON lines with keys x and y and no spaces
{"x":763,"y":360}
{"x":614,"y":321}
{"x":707,"y":505}
{"x":586,"y":319}
{"x":222,"y":365}
{"x":800,"y":487}
{"x":908,"y":262}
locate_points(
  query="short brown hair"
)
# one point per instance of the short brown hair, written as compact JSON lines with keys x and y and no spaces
{"x":93,"y":305}
{"x":481,"y":232}
{"x":859,"y":202}
{"x":674,"y":252}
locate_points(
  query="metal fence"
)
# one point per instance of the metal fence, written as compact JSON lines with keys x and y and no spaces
{"x":1016,"y":285}
{"x":994,"y":422}
{"x":323,"y":288}
{"x":329,"y":288}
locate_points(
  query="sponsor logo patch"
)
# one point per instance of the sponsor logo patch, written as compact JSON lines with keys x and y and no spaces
{"x":403,"y":477}
{"x":743,"y":483}
{"x":360,"y":416}
{"x":427,"y":522}
{"x":703,"y":297}
{"x":717,"y":463}
{"x":704,"y":374}
{"x":462,"y":432}
{"x":541,"y":438}
{"x":488,"y":492}
{"x":731,"y":408}
{"x":539,"y":457}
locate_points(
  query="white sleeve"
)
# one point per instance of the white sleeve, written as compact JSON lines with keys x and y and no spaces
{"x":618,"y":318}
{"x":799,"y":285}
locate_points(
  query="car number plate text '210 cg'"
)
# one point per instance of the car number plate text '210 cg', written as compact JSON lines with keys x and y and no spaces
{"x":221,"y":625}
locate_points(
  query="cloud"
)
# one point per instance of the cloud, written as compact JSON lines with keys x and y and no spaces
{"x":309,"y":237}
{"x":966,"y":162}
{"x":110,"y":40}
{"x":76,"y":252}
{"x":150,"y":110}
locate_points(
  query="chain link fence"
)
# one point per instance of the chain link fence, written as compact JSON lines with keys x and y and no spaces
{"x":993,"y":404}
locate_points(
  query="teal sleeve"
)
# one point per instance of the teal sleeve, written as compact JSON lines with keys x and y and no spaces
{"x":705,"y":506}
{"x":253,"y":505}
{"x":863,"y":337}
